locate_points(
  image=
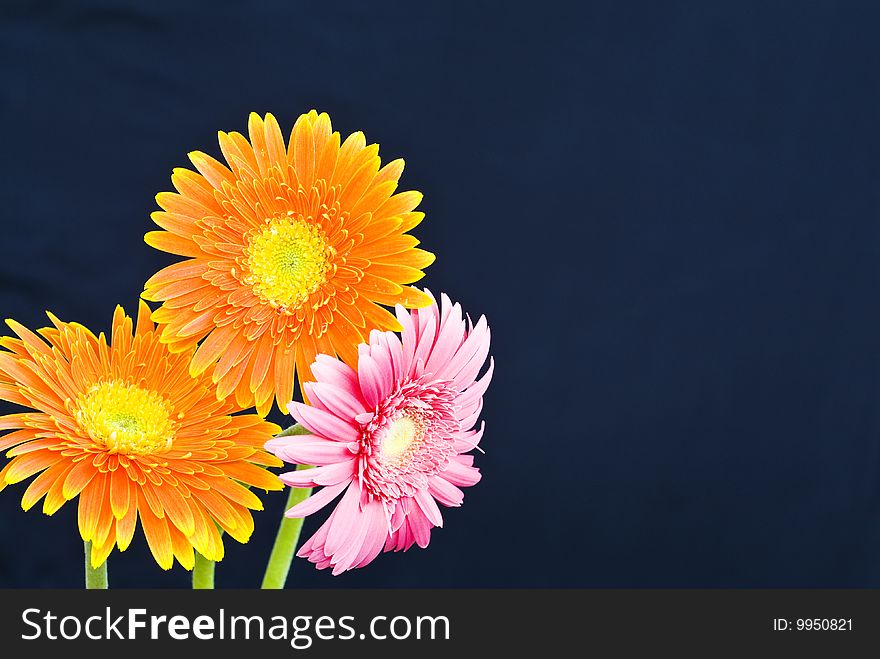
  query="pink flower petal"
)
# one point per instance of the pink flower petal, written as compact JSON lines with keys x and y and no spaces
{"x":429,"y":507}
{"x":469,"y":440}
{"x":346,"y":557}
{"x":446,"y":308}
{"x":477,"y":341}
{"x":461,"y":474}
{"x":427,"y":318}
{"x":407,"y":338}
{"x":468,"y":415}
{"x":397,"y":518}
{"x":327,"y":475}
{"x":400,"y":540}
{"x":309,"y":450}
{"x":445,"y":492}
{"x":315,"y":544}
{"x":323,"y":423}
{"x":377,"y":337}
{"x":382,"y":357}
{"x":345,"y":522}
{"x":448,"y":341}
{"x":479,"y":387}
{"x":466,"y":460}
{"x":420,"y":527}
{"x":397,"y":361}
{"x":370,"y":379}
{"x":336,"y":400}
{"x":318,"y":500}
{"x":377,"y":532}
{"x":426,"y":337}
{"x":329,"y":370}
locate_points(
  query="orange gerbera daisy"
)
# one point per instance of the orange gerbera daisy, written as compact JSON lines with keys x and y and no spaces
{"x":290,"y":248}
{"x":129,"y":431}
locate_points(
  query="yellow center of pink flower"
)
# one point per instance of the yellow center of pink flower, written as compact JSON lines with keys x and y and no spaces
{"x":287,"y":261}
{"x":125,"y":418}
{"x":401,"y":438}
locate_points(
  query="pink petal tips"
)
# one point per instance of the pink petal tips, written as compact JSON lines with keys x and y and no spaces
{"x":392,"y":436}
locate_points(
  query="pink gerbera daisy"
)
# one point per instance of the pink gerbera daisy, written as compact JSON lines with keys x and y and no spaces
{"x":393,"y":435}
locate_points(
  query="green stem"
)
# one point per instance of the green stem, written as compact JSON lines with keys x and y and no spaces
{"x":96,"y":577}
{"x":203,"y":573}
{"x":286,"y":541}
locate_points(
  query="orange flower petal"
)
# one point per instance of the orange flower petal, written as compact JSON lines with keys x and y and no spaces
{"x":176,"y":510}
{"x":121,"y":493}
{"x":399,"y":204}
{"x":412,"y":258}
{"x":205,"y":539}
{"x":78,"y":478}
{"x":213,"y":171}
{"x":211,"y":349}
{"x":126,"y":525}
{"x":168,"y":242}
{"x":41,"y":484}
{"x":218,"y":507}
{"x":101,"y":552}
{"x":253,"y":476}
{"x":90,"y":501}
{"x":181,"y":548}
{"x":397,"y":273}
{"x":372,"y":285}
{"x":27,"y":465}
{"x":17,"y":437}
{"x":156,"y":532}
{"x":411,"y":298}
{"x":235,"y":493}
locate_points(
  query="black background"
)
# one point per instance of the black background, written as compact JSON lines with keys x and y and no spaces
{"x":668,"y":212}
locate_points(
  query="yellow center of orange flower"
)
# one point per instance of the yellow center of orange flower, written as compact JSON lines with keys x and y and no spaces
{"x":287,"y":261}
{"x":402,"y":437}
{"x":126,"y":418}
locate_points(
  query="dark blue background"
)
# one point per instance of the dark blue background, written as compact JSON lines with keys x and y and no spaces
{"x":668,"y":213}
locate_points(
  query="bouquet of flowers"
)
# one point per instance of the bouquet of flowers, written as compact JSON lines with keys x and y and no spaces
{"x":290,"y":253}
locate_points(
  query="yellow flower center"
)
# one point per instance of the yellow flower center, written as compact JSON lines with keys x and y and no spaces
{"x":287,"y":261}
{"x":400,"y":436}
{"x":126,"y":418}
